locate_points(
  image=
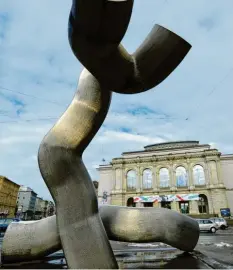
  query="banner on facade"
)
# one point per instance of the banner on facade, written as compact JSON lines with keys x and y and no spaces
{"x":168,"y":198}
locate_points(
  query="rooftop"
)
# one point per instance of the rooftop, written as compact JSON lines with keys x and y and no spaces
{"x":168,"y":145}
{"x":6,"y":179}
{"x":26,"y":189}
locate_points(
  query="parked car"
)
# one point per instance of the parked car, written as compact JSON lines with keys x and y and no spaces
{"x":4,"y":223}
{"x":221,"y":222}
{"x":207,"y":225}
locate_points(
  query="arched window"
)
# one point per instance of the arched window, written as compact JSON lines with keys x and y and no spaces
{"x":147,"y":179}
{"x":198,"y":175}
{"x":130,"y":202}
{"x":131,"y":179}
{"x":181,"y":177}
{"x":164,"y":177}
{"x":203,"y":204}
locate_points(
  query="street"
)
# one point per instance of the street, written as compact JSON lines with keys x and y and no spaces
{"x":214,"y":251}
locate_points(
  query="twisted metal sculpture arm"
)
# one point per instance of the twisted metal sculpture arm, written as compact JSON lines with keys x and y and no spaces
{"x":96,"y":28}
{"x":83,"y":237}
{"x":140,"y":225}
{"x":95,"y":42}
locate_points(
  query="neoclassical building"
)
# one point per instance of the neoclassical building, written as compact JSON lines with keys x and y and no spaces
{"x":184,"y":176}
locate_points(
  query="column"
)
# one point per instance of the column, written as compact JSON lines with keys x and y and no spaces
{"x":213,"y":172}
{"x":139,"y":204}
{"x":156,"y":205}
{"x":175,"y":206}
{"x":139,"y":180}
{"x":124,"y":184}
{"x":114,"y":178}
{"x":155,"y":177}
{"x":207,"y":174}
{"x":173,"y":176}
{"x":219,"y":172}
{"x":193,"y":207}
{"x":190,"y":175}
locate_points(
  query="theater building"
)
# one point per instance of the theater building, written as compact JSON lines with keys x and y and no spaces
{"x":184,"y":176}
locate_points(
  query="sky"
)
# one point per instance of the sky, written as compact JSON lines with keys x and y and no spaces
{"x":39,"y":76}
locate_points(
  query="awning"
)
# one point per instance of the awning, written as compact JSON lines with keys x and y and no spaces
{"x":168,"y":198}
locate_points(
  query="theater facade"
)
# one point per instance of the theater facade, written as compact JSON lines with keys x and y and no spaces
{"x":185,"y":176}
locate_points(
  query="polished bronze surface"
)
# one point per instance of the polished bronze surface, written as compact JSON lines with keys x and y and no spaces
{"x":96,"y":28}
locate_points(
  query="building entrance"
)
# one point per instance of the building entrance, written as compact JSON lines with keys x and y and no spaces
{"x":203,"y":204}
{"x":184,"y":207}
{"x":166,"y":205}
{"x":131,"y":203}
{"x":148,"y":204}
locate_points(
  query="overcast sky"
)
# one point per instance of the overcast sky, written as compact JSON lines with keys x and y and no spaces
{"x":39,"y":75}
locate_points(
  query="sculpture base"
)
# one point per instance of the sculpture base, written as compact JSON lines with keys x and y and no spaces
{"x":129,"y":256}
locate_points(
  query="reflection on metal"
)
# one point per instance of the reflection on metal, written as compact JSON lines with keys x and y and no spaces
{"x":96,"y":29}
{"x":138,"y":225}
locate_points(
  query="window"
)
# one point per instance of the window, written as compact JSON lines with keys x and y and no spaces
{"x":181,"y":177}
{"x":198,"y":175}
{"x":206,"y":221}
{"x":131,"y":179}
{"x":147,"y":179}
{"x":164,"y":177}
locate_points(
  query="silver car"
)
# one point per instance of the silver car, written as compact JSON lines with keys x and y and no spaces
{"x":207,"y":225}
{"x":221,"y":222}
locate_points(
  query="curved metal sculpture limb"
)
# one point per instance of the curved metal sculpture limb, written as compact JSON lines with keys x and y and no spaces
{"x":83,"y":237}
{"x":95,"y":43}
{"x":34,"y":240}
{"x":95,"y":33}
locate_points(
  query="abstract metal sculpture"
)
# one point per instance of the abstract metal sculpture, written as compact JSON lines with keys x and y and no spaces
{"x":138,"y":225}
{"x":96,"y":28}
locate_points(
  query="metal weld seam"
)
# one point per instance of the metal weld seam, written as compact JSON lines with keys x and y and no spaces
{"x":88,"y":106}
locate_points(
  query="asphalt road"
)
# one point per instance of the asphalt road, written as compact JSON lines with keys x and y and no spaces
{"x":212,"y":251}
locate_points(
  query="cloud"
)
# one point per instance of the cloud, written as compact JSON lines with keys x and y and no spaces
{"x":125,"y":136}
{"x":207,"y":23}
{"x":194,"y":102}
